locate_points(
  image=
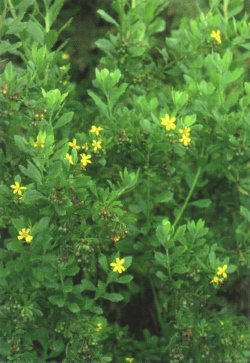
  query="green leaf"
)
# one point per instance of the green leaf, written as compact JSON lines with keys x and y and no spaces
{"x":179,"y":251}
{"x":231,"y":268}
{"x":145,"y":125}
{"x":235,"y":9}
{"x":116,"y":93}
{"x":50,"y":38}
{"x":136,"y":51}
{"x":41,"y":226}
{"x":128,"y":261}
{"x":161,"y":276}
{"x":38,"y":274}
{"x":87,"y":285}
{"x":161,"y":259}
{"x":157,"y":26}
{"x":212,"y":258}
{"x":9,"y":72}
{"x":247,"y":87}
{"x":164,"y":197}
{"x":74,"y":308}
{"x":4,"y":348}
{"x":64,"y":119}
{"x":57,"y":346}
{"x":57,"y":300}
{"x":16,"y":246}
{"x":114,"y":297}
{"x":230,"y":77}
{"x":180,"y":268}
{"x":177,"y":284}
{"x":105,"y":45}
{"x":180,"y":232}
{"x":99,"y":103}
{"x":18,"y":223}
{"x":60,"y":154}
{"x":24,"y":4}
{"x":72,"y":270}
{"x":54,"y":97}
{"x":22,"y":144}
{"x":32,"y":172}
{"x":163,"y":234}
{"x":53,"y":12}
{"x":180,"y":99}
{"x":101,"y":288}
{"x":206,"y":87}
{"x":35,"y":31}
{"x":32,"y":197}
{"x":7,"y":47}
{"x":201,"y":203}
{"x":103,"y":262}
{"x":189,"y":120}
{"x":107,"y":17}
{"x":245,"y":213}
{"x":124,"y":279}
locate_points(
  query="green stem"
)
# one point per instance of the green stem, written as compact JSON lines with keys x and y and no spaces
{"x":225,"y":10}
{"x":188,"y":197}
{"x":3,"y":16}
{"x":157,"y":305}
{"x":148,"y":193}
{"x":168,"y":265}
{"x":12,"y":9}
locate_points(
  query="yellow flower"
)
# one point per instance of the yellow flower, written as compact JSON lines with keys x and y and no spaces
{"x":85,"y":160}
{"x":17,"y":188}
{"x":215,"y":280}
{"x":69,"y":158}
{"x":40,"y":141}
{"x":129,"y":359}
{"x":216,"y":35}
{"x":25,"y":234}
{"x":168,"y":122}
{"x":98,"y":327}
{"x":115,"y":238}
{"x":221,"y":271}
{"x":74,"y":145}
{"x":63,"y":68}
{"x":185,"y":133}
{"x":85,"y":146}
{"x":97,"y":144}
{"x":118,"y":265}
{"x":96,"y":129}
{"x":65,"y":56}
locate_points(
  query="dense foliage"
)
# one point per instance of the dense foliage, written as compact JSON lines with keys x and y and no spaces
{"x":125,"y":203}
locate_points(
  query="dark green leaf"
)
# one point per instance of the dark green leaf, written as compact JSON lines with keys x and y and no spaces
{"x":32,"y":172}
{"x":32,"y":197}
{"x":74,"y":308}
{"x":57,"y":300}
{"x":114,"y":297}
{"x":124,"y":279}
{"x":64,"y":119}
{"x":201,"y":203}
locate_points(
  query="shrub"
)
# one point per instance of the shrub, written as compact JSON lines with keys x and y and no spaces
{"x":124,"y":219}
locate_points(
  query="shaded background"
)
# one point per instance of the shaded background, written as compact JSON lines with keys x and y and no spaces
{"x":86,"y":27}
